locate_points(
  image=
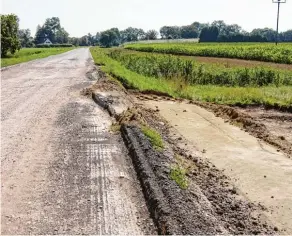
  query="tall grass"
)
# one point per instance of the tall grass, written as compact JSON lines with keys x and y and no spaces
{"x":249,"y":51}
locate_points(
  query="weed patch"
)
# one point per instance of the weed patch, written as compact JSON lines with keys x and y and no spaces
{"x":153,"y":136}
{"x":178,"y":174}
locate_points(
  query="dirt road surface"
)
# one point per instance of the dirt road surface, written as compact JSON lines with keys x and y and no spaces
{"x":259,"y":171}
{"x":62,"y":171}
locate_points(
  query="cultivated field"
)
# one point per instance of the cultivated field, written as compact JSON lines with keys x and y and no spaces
{"x":28,"y":54}
{"x":186,"y":78}
{"x":249,"y":51}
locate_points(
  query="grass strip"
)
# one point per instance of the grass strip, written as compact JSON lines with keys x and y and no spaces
{"x":28,"y":54}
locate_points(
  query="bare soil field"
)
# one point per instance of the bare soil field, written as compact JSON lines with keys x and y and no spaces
{"x":230,"y":62}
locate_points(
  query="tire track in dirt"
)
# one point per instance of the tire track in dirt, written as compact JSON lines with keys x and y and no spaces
{"x":90,"y":156}
{"x":60,"y":166}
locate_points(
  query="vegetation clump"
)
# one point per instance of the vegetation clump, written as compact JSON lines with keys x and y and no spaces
{"x":154,"y":137}
{"x":178,"y":174}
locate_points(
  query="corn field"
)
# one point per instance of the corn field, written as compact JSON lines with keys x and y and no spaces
{"x":173,"y":67}
{"x":249,"y":51}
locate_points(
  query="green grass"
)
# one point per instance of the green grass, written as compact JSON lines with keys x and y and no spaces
{"x":178,"y":174}
{"x":153,"y":136}
{"x":28,"y":54}
{"x":249,"y":51}
{"x":267,"y":95}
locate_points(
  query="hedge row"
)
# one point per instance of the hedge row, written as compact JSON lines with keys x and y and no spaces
{"x":54,"y":45}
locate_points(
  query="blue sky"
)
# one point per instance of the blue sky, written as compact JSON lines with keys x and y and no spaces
{"x":81,"y":17}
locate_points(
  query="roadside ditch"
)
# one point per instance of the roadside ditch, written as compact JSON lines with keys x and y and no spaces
{"x":185,"y":193}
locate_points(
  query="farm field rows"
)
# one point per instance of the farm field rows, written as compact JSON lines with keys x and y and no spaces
{"x":267,"y":52}
{"x":180,"y":77}
{"x":28,"y":54}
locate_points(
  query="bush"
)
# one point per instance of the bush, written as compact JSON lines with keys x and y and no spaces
{"x":64,"y":45}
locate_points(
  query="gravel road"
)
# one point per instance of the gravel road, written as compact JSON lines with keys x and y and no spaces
{"x":62,"y":171}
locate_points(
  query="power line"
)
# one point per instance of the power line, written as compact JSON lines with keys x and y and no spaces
{"x":278,"y":15}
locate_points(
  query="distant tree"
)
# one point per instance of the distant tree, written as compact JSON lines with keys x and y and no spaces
{"x":84,"y":41}
{"x":199,"y":26}
{"x":61,"y":36}
{"x":267,"y":33}
{"x":209,"y":34}
{"x":97,"y":38}
{"x":221,"y":25}
{"x":151,"y":35}
{"x":110,"y":38}
{"x":189,"y":31}
{"x":39,"y":35}
{"x":91,"y":39}
{"x":170,"y":32}
{"x":52,"y":30}
{"x":74,"y":41}
{"x":25,"y":38}
{"x":286,"y":36}
{"x":131,"y":34}
{"x":9,"y":34}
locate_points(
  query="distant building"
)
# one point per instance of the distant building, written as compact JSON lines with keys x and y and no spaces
{"x":47,"y":41}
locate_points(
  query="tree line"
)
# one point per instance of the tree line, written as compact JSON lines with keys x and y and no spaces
{"x":217,"y":31}
{"x":12,"y":38}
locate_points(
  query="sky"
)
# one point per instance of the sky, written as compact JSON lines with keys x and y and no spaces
{"x":80,"y":17}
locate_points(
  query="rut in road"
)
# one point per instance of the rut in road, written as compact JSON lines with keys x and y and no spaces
{"x":62,"y":171}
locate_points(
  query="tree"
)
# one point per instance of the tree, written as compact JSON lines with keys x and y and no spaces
{"x":39,"y":35}
{"x":131,"y":34}
{"x":25,"y":38}
{"x":90,"y":39}
{"x":151,"y":35}
{"x":220,"y":24}
{"x":286,"y":36}
{"x":52,"y":30}
{"x":199,"y":26}
{"x":209,"y":34}
{"x":232,"y":29}
{"x":267,"y":33}
{"x":61,"y":36}
{"x":97,"y":38}
{"x":9,"y":34}
{"x":189,"y":31}
{"x":170,"y":32}
{"x":84,"y":41}
{"x":110,"y":38}
{"x":74,"y":41}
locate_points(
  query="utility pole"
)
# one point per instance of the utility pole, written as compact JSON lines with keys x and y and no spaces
{"x":279,"y":3}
